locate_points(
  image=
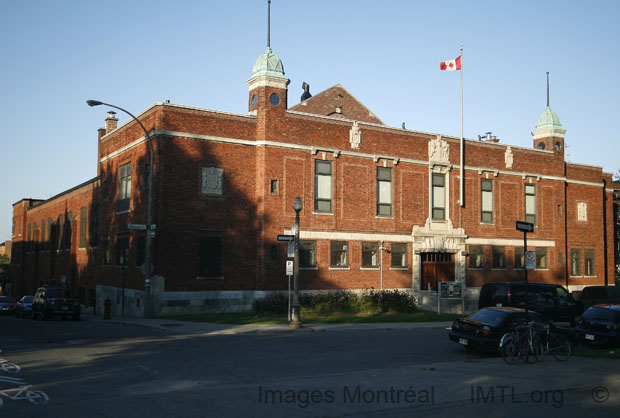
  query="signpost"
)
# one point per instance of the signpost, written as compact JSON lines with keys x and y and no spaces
{"x":526,"y":227}
{"x":450,"y":290}
{"x":289,"y":273}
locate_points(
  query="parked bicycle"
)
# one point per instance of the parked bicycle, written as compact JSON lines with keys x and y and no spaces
{"x":531,"y":341}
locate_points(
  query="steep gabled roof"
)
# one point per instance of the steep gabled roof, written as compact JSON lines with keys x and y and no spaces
{"x":336,"y":101}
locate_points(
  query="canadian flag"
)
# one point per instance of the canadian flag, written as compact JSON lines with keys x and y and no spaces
{"x":451,"y":65}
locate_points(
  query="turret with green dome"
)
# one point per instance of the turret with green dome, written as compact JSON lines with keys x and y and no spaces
{"x":549,"y":134}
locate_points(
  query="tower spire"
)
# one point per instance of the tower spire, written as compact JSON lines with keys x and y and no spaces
{"x":547,"y":88}
{"x":268,"y":23}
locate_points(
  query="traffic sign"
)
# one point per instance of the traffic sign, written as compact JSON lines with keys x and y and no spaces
{"x":286,"y":237}
{"x":525,"y":226}
{"x":530,"y":260}
{"x":136,"y":226}
{"x":289,"y":267}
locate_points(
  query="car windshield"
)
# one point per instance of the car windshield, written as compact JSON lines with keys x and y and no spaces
{"x":57,"y":293}
{"x":601,"y":314}
{"x":27,"y":299}
{"x":6,"y":299}
{"x":489,"y":316}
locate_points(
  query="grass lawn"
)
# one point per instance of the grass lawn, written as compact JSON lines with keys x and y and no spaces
{"x":597,"y":351}
{"x":251,"y":318}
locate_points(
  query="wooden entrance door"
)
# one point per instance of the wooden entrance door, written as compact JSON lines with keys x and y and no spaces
{"x":436,"y":267}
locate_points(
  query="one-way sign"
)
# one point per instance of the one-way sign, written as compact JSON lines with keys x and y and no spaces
{"x":286,"y":237}
{"x":525,"y":226}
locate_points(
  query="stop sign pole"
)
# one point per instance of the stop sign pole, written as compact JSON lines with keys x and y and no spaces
{"x":525,"y":227}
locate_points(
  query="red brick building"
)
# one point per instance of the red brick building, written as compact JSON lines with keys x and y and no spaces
{"x":381,"y":206}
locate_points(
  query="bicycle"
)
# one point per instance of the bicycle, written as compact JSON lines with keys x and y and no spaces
{"x":555,"y":343}
{"x":23,"y":393}
{"x":522,"y":342}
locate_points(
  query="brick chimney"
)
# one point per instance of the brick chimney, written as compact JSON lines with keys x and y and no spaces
{"x":111,"y":122}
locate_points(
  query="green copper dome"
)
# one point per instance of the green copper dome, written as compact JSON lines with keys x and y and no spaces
{"x":268,"y":64}
{"x":548,"y":121}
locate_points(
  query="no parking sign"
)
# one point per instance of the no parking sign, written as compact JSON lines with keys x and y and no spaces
{"x":530,"y":260}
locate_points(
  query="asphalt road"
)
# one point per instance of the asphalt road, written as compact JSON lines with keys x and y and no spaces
{"x":99,"y":369}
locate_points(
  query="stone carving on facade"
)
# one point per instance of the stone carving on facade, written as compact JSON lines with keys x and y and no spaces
{"x":582,"y":211}
{"x":438,"y":151}
{"x":508,"y":157}
{"x":355,"y":136}
{"x":212,"y":180}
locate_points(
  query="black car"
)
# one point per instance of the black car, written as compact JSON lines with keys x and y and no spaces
{"x":552,"y":301}
{"x":7,"y":304}
{"x":595,"y":295}
{"x":600,"y":323}
{"x":484,"y":329}
{"x":55,"y":300}
{"x":23,"y":307}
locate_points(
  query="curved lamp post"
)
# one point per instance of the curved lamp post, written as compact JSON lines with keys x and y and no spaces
{"x":295,"y":323}
{"x":149,"y":210}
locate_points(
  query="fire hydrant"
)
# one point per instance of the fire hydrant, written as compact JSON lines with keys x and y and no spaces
{"x":107,"y":307}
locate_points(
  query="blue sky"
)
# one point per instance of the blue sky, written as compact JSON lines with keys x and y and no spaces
{"x":56,"y":55}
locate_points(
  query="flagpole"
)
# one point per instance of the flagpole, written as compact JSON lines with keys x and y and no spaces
{"x":462,"y":200}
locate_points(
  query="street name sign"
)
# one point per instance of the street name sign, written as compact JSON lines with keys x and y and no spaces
{"x":136,"y":226}
{"x":286,"y":237}
{"x":525,"y":226}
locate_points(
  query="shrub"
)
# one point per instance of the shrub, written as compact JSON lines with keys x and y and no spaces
{"x":340,"y":302}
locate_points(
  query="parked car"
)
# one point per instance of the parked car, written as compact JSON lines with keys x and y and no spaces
{"x":484,"y":329}
{"x":595,"y":295}
{"x":552,"y":301}
{"x":23,"y":307}
{"x":600,"y":323}
{"x":7,"y":304}
{"x":55,"y":300}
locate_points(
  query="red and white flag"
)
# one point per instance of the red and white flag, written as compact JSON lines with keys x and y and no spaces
{"x":451,"y":65}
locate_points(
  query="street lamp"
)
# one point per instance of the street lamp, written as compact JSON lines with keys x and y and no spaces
{"x":149,"y":210}
{"x":295,"y":323}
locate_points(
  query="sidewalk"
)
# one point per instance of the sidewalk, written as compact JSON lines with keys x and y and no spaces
{"x":206,"y":328}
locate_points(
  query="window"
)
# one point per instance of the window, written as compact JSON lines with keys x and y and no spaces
{"x":61,"y":229}
{"x":439,"y":196}
{"x":370,"y":254}
{"x":475,"y":257}
{"x":307,"y":254}
{"x":141,"y":250}
{"x":559,"y":210}
{"x":124,"y":187}
{"x":486,"y":201}
{"x":122,"y":251}
{"x":575,"y":262}
{"x":399,"y":255}
{"x":589,"y":259}
{"x":530,"y":203}
{"x":106,"y":251}
{"x":210,"y":257}
{"x":541,"y":258}
{"x":273,"y":187}
{"x":147,"y":176}
{"x":339,"y":254}
{"x":94,"y":225}
{"x":384,"y":191}
{"x":499,"y":257}
{"x":43,"y":232}
{"x":323,"y":186}
{"x":519,"y":258}
{"x":83,"y":223}
{"x":68,"y":230}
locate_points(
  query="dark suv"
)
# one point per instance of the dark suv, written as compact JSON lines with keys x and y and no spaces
{"x":552,"y":301}
{"x":55,"y":300}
